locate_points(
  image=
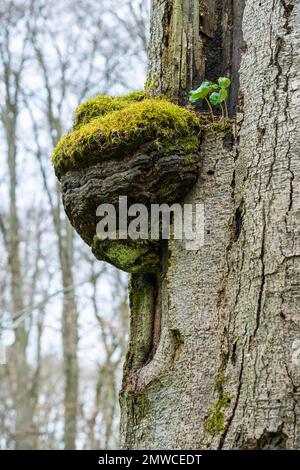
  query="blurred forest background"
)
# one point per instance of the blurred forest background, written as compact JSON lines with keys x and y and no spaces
{"x":63,"y":315}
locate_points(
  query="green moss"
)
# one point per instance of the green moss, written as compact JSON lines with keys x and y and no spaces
{"x":189,"y":144}
{"x":129,"y":258}
{"x":125,"y":130}
{"x":219,"y":382}
{"x":102,"y":104}
{"x":127,"y":255}
{"x":188,"y":161}
{"x":215,"y":422}
{"x":138,"y":95}
{"x":151,"y":83}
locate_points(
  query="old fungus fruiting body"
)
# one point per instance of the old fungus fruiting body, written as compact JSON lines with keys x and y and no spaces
{"x":145,"y":149}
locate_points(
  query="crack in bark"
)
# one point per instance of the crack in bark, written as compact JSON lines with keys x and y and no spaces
{"x":231,"y":418}
{"x":239,"y":215}
{"x":279,"y":46}
{"x":292,"y":175}
{"x":239,"y":284}
{"x":288,"y":9}
{"x":263,"y":279}
{"x":280,"y":43}
{"x":292,"y":178}
{"x":295,"y":403}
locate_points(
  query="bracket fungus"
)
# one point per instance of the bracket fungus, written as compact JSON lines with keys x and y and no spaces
{"x":144,"y":149}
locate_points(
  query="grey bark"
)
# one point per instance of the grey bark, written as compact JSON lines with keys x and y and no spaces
{"x":213,"y":360}
{"x":165,"y":399}
{"x":226,"y":371}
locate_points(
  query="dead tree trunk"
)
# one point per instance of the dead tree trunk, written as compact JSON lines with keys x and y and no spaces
{"x":216,"y":363}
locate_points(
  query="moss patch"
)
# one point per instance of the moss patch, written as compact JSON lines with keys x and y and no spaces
{"x":218,"y":126}
{"x":102,"y":104}
{"x":219,"y":382}
{"x":215,"y":423}
{"x":127,"y":255}
{"x":124,"y":130}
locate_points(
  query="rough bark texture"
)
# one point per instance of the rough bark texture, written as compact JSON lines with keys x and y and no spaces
{"x":192,"y":40}
{"x":225,"y":372}
{"x":259,"y":302}
{"x":166,"y":395}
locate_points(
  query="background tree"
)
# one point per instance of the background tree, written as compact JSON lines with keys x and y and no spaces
{"x":66,"y":318}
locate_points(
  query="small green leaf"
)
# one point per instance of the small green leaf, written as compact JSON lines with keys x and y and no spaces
{"x":193,"y":100}
{"x":223,"y":94}
{"x":224,"y":82}
{"x":194,"y":95}
{"x":201,"y":92}
{"x":215,"y":86}
{"x":214,"y":98}
{"x":205,"y":87}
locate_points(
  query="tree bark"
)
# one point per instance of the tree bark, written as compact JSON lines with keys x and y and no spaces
{"x":224,"y":371}
{"x":192,"y":40}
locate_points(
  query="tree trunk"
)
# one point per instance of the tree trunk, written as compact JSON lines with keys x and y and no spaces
{"x":25,"y":433}
{"x":70,"y":337}
{"x":215,"y":363}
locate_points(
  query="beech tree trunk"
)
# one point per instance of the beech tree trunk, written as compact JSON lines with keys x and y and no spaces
{"x":216,"y":362}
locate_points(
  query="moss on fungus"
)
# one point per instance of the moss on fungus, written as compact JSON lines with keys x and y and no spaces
{"x":127,"y":255}
{"x":101,"y":105}
{"x":124,"y":130}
